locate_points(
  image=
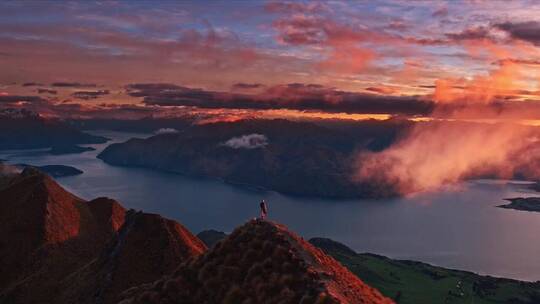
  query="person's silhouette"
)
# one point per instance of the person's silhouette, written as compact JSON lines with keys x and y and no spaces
{"x":264,"y":210}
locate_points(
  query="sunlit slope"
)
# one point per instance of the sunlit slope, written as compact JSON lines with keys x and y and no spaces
{"x":409,"y":282}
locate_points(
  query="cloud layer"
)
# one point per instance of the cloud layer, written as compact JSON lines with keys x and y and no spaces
{"x":402,"y":50}
{"x":435,"y":154}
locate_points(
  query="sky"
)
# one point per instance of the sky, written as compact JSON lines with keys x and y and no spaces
{"x":477,"y":60}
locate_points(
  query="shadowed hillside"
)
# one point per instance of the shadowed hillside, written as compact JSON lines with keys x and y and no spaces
{"x":295,"y":158}
{"x":23,"y":129}
{"x":57,"y":248}
{"x":410,"y":282}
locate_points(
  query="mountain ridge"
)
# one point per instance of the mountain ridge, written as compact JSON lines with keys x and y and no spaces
{"x":290,"y":157}
{"x":23,"y":129}
{"x":259,"y":262}
{"x":56,"y":247}
{"x":59,"y":248}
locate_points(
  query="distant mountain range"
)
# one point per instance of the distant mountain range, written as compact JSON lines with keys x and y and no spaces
{"x":58,"y":248}
{"x":22,"y":129}
{"x":144,"y":125}
{"x":296,"y":158}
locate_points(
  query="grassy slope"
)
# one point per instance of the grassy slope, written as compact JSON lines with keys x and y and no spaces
{"x":412,"y":282}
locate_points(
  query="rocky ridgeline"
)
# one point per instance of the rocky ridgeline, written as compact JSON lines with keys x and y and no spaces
{"x":58,"y":248}
{"x":260,"y":262}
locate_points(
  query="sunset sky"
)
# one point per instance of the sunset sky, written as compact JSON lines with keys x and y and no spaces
{"x":417,"y":59}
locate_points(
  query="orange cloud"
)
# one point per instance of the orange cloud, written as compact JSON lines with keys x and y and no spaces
{"x":338,"y":43}
{"x":480,"y":89}
{"x":347,"y":58}
{"x":437,"y":153}
{"x":441,"y":152}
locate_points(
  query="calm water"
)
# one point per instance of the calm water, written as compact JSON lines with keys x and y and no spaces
{"x":457,"y":228}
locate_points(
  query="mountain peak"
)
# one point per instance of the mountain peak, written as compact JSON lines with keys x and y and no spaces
{"x":41,"y":206}
{"x":340,"y":284}
{"x":58,"y":248}
{"x":259,"y":262}
{"x":37,"y":218}
{"x":146,"y":248}
{"x":31,"y":171}
{"x":66,"y":250}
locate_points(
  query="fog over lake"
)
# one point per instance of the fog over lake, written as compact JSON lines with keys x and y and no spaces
{"x":458,"y":227}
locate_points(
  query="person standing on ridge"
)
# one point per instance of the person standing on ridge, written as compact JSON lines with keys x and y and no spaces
{"x":264,"y":210}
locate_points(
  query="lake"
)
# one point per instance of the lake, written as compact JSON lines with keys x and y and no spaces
{"x":456,"y":227}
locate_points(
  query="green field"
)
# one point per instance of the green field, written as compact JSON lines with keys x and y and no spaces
{"x":409,"y":282}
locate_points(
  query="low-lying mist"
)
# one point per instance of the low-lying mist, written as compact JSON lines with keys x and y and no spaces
{"x":437,"y":153}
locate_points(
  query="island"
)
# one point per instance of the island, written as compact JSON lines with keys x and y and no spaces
{"x":69,"y":149}
{"x":523,"y":203}
{"x":54,"y":170}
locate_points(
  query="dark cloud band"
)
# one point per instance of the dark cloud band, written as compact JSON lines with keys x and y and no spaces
{"x":87,"y":95}
{"x":19,"y":98}
{"x":295,"y":96}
